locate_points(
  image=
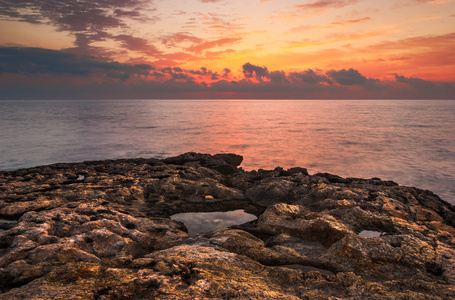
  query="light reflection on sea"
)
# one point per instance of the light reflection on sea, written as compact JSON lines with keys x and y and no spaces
{"x":410,"y":142}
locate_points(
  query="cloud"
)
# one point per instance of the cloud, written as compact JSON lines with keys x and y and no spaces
{"x":137,"y":44}
{"x":226,"y":73}
{"x":278,"y":77}
{"x":352,"y":21}
{"x":252,"y":71}
{"x":308,"y":76}
{"x":27,"y":73}
{"x":43,"y":61}
{"x":332,"y":25}
{"x":419,"y":42}
{"x":73,"y":15}
{"x":83,"y":42}
{"x":219,"y":23}
{"x":431,"y":1}
{"x":347,"y":77}
{"x":180,"y":37}
{"x":320,"y":5}
{"x":312,"y":8}
{"x":120,"y":13}
{"x":426,"y":88}
{"x":212,"y":44}
{"x":335,"y":38}
{"x":89,"y":21}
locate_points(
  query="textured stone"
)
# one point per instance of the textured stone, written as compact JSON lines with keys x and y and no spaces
{"x":102,"y":230}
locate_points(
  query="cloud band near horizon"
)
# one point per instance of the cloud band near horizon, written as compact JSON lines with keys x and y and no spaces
{"x":35,"y":73}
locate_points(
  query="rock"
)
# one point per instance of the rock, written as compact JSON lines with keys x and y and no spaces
{"x":233,"y":159}
{"x":224,"y":163}
{"x":102,"y":230}
{"x":270,"y":191}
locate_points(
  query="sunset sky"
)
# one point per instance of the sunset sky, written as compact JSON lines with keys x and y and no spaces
{"x":313,"y":49}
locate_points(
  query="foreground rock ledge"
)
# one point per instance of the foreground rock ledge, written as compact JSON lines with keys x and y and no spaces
{"x":102,"y":230}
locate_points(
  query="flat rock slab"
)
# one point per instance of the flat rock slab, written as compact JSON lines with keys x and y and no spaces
{"x":103,"y":230}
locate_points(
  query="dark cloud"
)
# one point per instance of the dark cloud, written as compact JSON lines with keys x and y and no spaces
{"x":250,"y":71}
{"x":43,"y":61}
{"x":427,"y":88}
{"x":72,"y":15}
{"x":226,"y":73}
{"x":347,"y":77}
{"x":203,"y":74}
{"x":415,"y":82}
{"x":201,"y":71}
{"x":308,"y":76}
{"x":89,"y":21}
{"x":278,"y":76}
{"x":82,"y":44}
{"x":120,"y":13}
{"x":342,"y":77}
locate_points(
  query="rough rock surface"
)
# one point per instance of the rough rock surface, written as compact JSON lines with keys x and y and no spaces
{"x":102,"y":230}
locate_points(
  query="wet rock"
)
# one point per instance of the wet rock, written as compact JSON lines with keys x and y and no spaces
{"x":102,"y":230}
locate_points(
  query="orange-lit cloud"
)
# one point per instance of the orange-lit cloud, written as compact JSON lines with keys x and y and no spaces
{"x":319,"y":5}
{"x":355,"y":21}
{"x":212,"y":44}
{"x":178,"y":38}
{"x":289,"y":48}
{"x":335,"y":38}
{"x":33,"y":72}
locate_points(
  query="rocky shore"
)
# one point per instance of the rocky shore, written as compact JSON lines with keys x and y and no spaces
{"x":103,"y":230}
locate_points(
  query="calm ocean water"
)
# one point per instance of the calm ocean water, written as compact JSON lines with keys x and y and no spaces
{"x":409,"y":142}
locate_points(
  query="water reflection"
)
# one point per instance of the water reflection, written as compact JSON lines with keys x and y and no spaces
{"x":409,"y":142}
{"x":201,"y":222}
{"x":370,"y":233}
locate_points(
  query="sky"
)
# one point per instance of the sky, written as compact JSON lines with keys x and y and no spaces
{"x":316,"y":49}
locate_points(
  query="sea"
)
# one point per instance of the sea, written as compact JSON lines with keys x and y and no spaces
{"x":409,"y":142}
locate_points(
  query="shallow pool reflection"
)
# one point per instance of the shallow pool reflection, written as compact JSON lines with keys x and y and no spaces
{"x":370,"y":233}
{"x":200,"y":222}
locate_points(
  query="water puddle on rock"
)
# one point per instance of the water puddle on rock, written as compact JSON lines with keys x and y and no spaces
{"x":306,"y":269}
{"x":201,"y":222}
{"x":370,"y":233}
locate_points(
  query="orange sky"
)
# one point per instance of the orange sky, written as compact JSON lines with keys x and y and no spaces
{"x":379,"y":39}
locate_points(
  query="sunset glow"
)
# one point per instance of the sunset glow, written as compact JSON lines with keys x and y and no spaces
{"x":227,"y":49}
